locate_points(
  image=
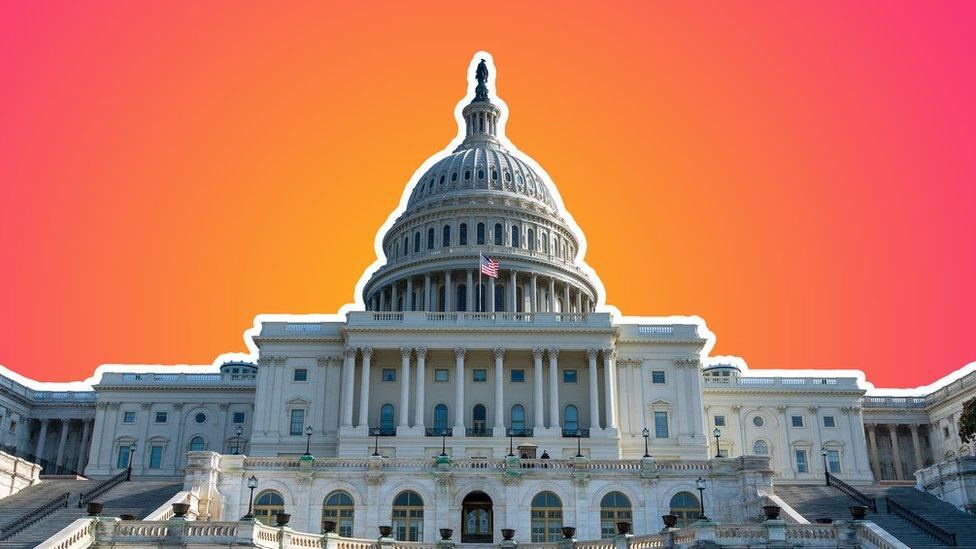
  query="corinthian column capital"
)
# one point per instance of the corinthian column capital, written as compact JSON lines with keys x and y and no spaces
{"x":367,"y":352}
{"x":537,"y":353}
{"x":460,"y":352}
{"x":405,"y":351}
{"x":421,"y":352}
{"x":591,"y":353}
{"x":350,"y":352}
{"x":553,"y":352}
{"x":499,"y":352}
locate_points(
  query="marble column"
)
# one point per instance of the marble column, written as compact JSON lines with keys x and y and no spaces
{"x":418,"y":417}
{"x":65,"y":426}
{"x":538,"y":411}
{"x":383,"y":299}
{"x":367,"y":353}
{"x":85,"y":445}
{"x":873,"y":451}
{"x":448,"y":293}
{"x":348,"y":374}
{"x":459,"y":354}
{"x":566,"y":306}
{"x":499,"y":392}
{"x":393,"y":297}
{"x":579,"y":301}
{"x":428,"y":297}
{"x":42,"y":438}
{"x":535,"y":294}
{"x":553,"y":389}
{"x":513,"y":294}
{"x":610,"y":396}
{"x":552,"y":295}
{"x":893,"y":434}
{"x":408,"y":300}
{"x":916,"y":447}
{"x":404,"y":387}
{"x":469,"y":292}
{"x":594,"y":390}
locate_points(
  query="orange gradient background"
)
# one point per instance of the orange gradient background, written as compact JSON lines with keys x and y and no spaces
{"x":801,"y":175}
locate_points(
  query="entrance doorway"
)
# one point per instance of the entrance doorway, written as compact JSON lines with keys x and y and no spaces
{"x":476,"y":518}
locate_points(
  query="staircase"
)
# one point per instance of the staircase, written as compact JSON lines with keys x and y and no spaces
{"x":819,"y":501}
{"x":136,"y":497}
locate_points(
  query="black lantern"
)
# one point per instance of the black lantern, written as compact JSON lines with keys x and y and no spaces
{"x":579,"y":443}
{"x":252,"y":483}
{"x":511,"y":443}
{"x":443,"y":444}
{"x":700,"y":484}
{"x":717,"y":433}
{"x":646,"y":433}
{"x":376,"y":443}
{"x":308,"y":442}
{"x":823,"y":454}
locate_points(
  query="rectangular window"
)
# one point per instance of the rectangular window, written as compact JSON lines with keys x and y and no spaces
{"x":657,"y":377}
{"x":161,"y":417}
{"x":240,"y":417}
{"x":479,"y":375}
{"x":389,"y":374}
{"x":801,"y":461}
{"x":797,"y":421}
{"x":155,"y":457}
{"x":833,"y":461}
{"x":13,"y":427}
{"x":301,"y":374}
{"x":518,"y":376}
{"x":945,"y":431}
{"x":442,"y":375}
{"x":570,"y":376}
{"x":297,"y":424}
{"x":720,"y":421}
{"x":123,"y":460}
{"x":829,"y":421}
{"x":128,"y":417}
{"x":661,"y":424}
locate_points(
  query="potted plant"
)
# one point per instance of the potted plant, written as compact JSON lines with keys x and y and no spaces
{"x":670,"y":521}
{"x":508,"y":534}
{"x":281,"y":518}
{"x":94,"y":508}
{"x":771,"y":511}
{"x":446,"y":533}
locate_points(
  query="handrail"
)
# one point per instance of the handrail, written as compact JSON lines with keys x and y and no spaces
{"x":921,"y":523}
{"x":853,"y":492}
{"x":104,"y":486}
{"x":34,"y":515}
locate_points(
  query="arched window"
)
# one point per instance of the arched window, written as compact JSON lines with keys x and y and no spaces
{"x":268,"y":504}
{"x":760,"y":448}
{"x":396,"y":253}
{"x":406,"y":245}
{"x":530,"y":236}
{"x":197,"y":444}
{"x":430,"y":238}
{"x":462,"y":297}
{"x":479,"y":418}
{"x":481,"y":233}
{"x":447,"y":236}
{"x":440,"y":417}
{"x":498,"y":234}
{"x":499,"y":298}
{"x":441,"y":298}
{"x":387,"y":414}
{"x":515,"y":236}
{"x":408,"y":516}
{"x":416,"y":242}
{"x":467,"y":174}
{"x":463,"y":234}
{"x":547,"y":518}
{"x":685,"y":506}
{"x":614,"y":508}
{"x":481,"y":174}
{"x":339,"y":508}
{"x":519,"y":300}
{"x":518,"y":417}
{"x":571,"y":418}
{"x":453,"y":176}
{"x":543,"y":242}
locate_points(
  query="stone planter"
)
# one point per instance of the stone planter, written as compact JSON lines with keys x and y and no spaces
{"x":824,"y":521}
{"x":771,"y":511}
{"x":386,"y":531}
{"x":328,"y":526}
{"x":623,"y":527}
{"x":128,"y":517}
{"x":508,"y":534}
{"x":858,"y":512}
{"x":281,"y":519}
{"x":569,"y":532}
{"x":181,"y":509}
{"x":670,"y":521}
{"x":94,"y":508}
{"x":446,"y":534}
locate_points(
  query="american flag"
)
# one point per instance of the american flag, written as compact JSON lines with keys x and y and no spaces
{"x":489,"y":267}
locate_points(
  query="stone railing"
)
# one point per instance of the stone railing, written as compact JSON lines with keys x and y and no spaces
{"x":952,"y":480}
{"x":165,"y":511}
{"x":42,"y":396}
{"x":16,"y":474}
{"x":429,"y":319}
{"x":784,"y":383}
{"x":175,"y":378}
{"x":76,"y":535}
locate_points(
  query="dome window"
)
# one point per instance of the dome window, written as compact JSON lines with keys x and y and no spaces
{"x":463,"y":234}
{"x":530,"y":236}
{"x":416,"y":242}
{"x":508,"y":177}
{"x":481,"y":233}
{"x":494,"y":175}
{"x":481,"y":174}
{"x":447,"y":236}
{"x":453,"y":176}
{"x":498,"y":234}
{"x":467,"y":174}
{"x":442,"y":180}
{"x":515,"y":236}
{"x":430,"y":238}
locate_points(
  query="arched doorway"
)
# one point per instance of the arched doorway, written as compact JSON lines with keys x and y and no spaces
{"x":476,"y":518}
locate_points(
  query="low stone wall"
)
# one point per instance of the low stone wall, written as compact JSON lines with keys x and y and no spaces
{"x":953,"y":481}
{"x":16,"y":474}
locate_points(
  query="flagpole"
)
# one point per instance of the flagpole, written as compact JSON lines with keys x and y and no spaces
{"x":480,"y":259}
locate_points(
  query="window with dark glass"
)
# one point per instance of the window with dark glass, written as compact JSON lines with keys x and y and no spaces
{"x":479,"y":375}
{"x":481,"y":233}
{"x":498,"y":234}
{"x":388,"y":374}
{"x":447,"y":236}
{"x":515,"y":237}
{"x":517,"y":376}
{"x":430,"y":238}
{"x":297,"y":424}
{"x":570,"y":376}
{"x":301,"y":374}
{"x":463,"y":234}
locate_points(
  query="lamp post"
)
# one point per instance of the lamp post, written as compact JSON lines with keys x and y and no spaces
{"x":376,"y":443}
{"x":717,"y":433}
{"x":132,"y":454}
{"x":252,"y":483}
{"x":646,"y":433}
{"x":239,"y":431}
{"x":511,"y":443}
{"x":823,"y":454}
{"x":308,"y":441}
{"x":443,"y":441}
{"x":579,"y":443}
{"x":700,"y":484}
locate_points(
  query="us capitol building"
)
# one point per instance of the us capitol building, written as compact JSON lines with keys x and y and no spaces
{"x":453,"y":399}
